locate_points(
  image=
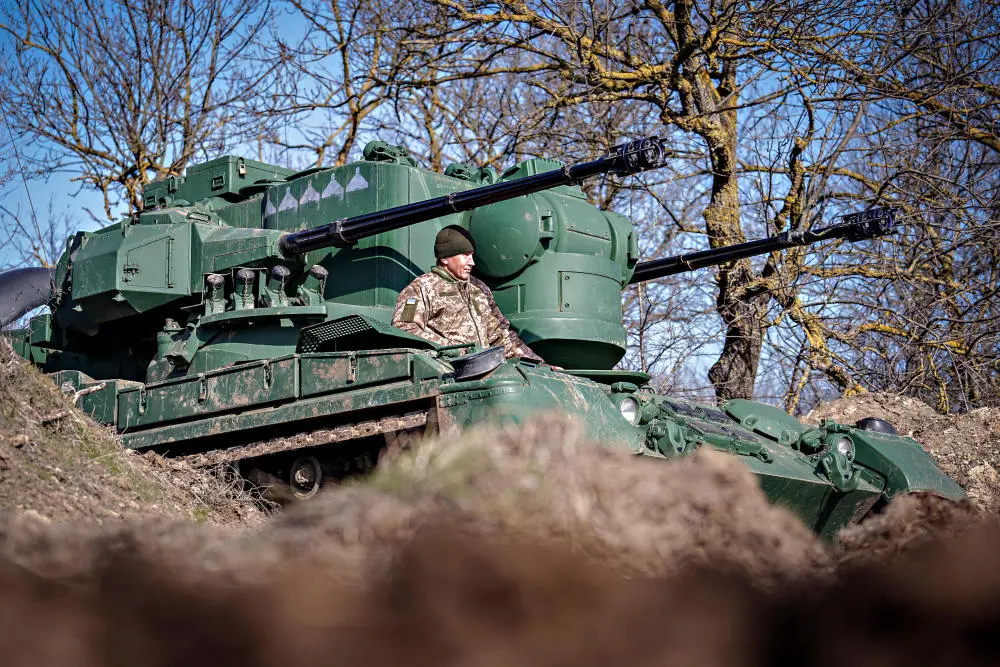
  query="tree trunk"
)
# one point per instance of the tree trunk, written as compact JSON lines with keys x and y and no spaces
{"x":736,"y":369}
{"x":734,"y":373}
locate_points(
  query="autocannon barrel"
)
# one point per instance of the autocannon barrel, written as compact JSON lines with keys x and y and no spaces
{"x":630,"y":158}
{"x":856,"y":227}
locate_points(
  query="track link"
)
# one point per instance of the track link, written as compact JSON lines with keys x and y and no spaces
{"x":308,"y":439}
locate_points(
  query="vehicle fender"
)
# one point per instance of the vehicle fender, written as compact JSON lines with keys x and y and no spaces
{"x":904,"y":464}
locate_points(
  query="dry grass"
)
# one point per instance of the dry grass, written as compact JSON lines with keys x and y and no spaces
{"x":408,"y":574}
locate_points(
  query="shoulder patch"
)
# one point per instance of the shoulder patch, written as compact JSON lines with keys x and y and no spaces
{"x":409,"y":310}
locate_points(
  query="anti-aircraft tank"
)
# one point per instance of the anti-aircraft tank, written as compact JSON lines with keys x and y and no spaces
{"x":243,"y":319}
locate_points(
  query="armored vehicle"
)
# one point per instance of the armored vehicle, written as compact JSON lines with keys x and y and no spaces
{"x":243,"y":319}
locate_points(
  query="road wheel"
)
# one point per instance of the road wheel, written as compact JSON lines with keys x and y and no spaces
{"x":305,"y":477}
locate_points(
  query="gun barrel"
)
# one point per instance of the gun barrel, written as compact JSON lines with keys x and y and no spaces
{"x":630,"y":158}
{"x":856,"y":227}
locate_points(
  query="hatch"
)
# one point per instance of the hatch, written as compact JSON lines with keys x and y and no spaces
{"x":765,"y":420}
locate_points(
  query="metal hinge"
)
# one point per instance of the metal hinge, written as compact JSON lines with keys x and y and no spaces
{"x":352,"y":368}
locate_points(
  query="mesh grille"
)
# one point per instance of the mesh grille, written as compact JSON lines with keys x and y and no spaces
{"x":315,"y":337}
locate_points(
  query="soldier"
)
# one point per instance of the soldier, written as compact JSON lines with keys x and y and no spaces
{"x":448,"y":306}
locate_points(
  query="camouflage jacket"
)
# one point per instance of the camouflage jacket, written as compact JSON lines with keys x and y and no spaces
{"x":447,"y":311}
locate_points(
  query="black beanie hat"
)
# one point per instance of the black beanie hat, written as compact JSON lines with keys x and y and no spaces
{"x":453,"y":240}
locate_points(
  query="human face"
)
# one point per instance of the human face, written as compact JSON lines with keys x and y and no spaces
{"x":459,"y":266}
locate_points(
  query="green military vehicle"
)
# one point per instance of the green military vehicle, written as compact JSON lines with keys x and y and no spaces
{"x":243,"y":319}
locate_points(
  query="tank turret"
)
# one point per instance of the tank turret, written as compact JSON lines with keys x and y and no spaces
{"x":249,"y":245}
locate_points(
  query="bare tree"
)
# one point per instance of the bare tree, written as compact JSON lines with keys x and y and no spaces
{"x":782,"y":114}
{"x":786,"y":114}
{"x":703,"y":72}
{"x":116,"y":94}
{"x":333,"y":78}
{"x":918,"y":316}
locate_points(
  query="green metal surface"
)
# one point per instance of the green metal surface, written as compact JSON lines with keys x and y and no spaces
{"x":191,"y":331}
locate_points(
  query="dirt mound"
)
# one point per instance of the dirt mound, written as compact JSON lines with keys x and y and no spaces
{"x":541,"y":482}
{"x":546,"y":480}
{"x":907,"y":524}
{"x":505,"y":546}
{"x":451,"y":597}
{"x":56,"y":464}
{"x":965,"y":446}
{"x":447,"y":598}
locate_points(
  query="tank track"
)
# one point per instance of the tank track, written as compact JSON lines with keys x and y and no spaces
{"x":308,"y":439}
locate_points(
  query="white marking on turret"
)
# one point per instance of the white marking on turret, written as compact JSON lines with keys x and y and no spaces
{"x":269,"y":209}
{"x":334,"y":189}
{"x":309,"y":195}
{"x":288,"y":201}
{"x":358,"y":182}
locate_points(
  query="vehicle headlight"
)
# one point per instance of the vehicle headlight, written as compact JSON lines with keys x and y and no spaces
{"x":629,"y":408}
{"x":845,"y":447}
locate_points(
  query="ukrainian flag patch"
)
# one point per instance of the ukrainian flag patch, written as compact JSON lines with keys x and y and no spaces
{"x":410,"y":310}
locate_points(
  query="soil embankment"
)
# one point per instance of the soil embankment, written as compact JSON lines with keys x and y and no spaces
{"x":55,"y":464}
{"x":507,"y":547}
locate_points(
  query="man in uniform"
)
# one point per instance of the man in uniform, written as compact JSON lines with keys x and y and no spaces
{"x":448,"y":306}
